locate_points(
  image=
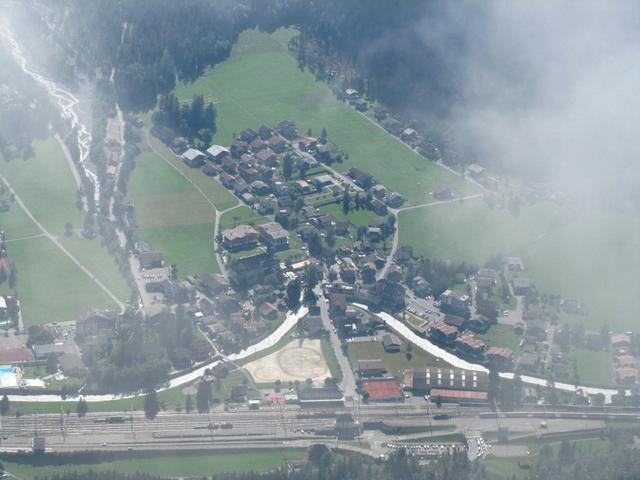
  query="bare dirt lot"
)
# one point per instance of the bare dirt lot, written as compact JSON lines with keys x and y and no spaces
{"x":298,"y":360}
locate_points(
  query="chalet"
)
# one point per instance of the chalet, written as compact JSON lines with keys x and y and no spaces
{"x":515,"y":264}
{"x":287,"y":129}
{"x":228,"y":165}
{"x":309,"y":212}
{"x":620,"y":340}
{"x":455,"y":321}
{"x":442,"y":193}
{"x":360,"y":104}
{"x":371,"y":368}
{"x":248,"y":271}
{"x":374,"y":234}
{"x":348,"y":270}
{"x":536,"y":329}
{"x":342,"y":229}
{"x":626,"y":375}
{"x":277,"y":143}
{"x":391,"y":343}
{"x":249,"y":173}
{"x":394,"y":200}
{"x":393,"y":126}
{"x":268,"y":310}
{"x":379,"y":191}
{"x":212,"y":285}
{"x":248,"y":198}
{"x":368,"y":272}
{"x":210,"y":170}
{"x":112,"y":170}
{"x":443,"y":333}
{"x":351,"y":93}
{"x":308,"y":144}
{"x":303,"y":186}
{"x":471,"y":346}
{"x":260,"y":188}
{"x":324,"y":221}
{"x":94,"y":322}
{"x":150,"y":259}
{"x":404,"y":254}
{"x":454,"y":299}
{"x":478,"y":323}
{"x":571,"y":305}
{"x":429,"y":150}
{"x":378,"y":206}
{"x":216,"y":153}
{"x":394,"y":273}
{"x":194,"y":158}
{"x":306,"y":162}
{"x":274,"y":236}
{"x":337,"y":305}
{"x":420,"y":286}
{"x":240,"y":237}
{"x":266,"y":206}
{"x":362,"y":179}
{"x":265,"y":132}
{"x":528,"y":362}
{"x":72,"y":365}
{"x":521,"y":285}
{"x":500,"y":357}
{"x":322,"y":181}
{"x":409,"y":135}
{"x":476,"y":171}
{"x":238,"y":148}
{"x":248,"y":135}
{"x":257,"y":145}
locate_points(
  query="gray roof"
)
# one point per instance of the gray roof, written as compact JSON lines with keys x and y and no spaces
{"x":238,"y":232}
{"x":192,"y":154}
{"x":215,"y":150}
{"x":274,"y":230}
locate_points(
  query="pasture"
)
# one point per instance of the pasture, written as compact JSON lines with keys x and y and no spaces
{"x":586,"y":255}
{"x":45,"y":185}
{"x":166,"y":464}
{"x":174,"y":217}
{"x":261,"y":83}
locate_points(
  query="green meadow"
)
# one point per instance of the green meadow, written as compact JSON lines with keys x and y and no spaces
{"x":51,"y":287}
{"x":261,"y":83}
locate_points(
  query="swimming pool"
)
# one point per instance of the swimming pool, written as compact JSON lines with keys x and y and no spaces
{"x":8,"y":377}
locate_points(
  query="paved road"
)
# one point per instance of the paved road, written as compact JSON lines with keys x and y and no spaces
{"x":348,"y":380}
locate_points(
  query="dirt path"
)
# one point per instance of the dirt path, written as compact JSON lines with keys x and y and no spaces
{"x":55,"y":241}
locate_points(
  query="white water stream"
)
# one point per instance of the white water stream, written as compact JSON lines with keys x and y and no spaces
{"x":66,"y":101}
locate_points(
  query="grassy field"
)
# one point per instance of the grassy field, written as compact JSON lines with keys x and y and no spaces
{"x":396,"y":363}
{"x":45,"y":185}
{"x":261,"y":83}
{"x":501,"y":336}
{"x":166,"y":464}
{"x":44,"y":298}
{"x":173,"y":216}
{"x":359,"y":218}
{"x":594,"y":368}
{"x":590,"y":257}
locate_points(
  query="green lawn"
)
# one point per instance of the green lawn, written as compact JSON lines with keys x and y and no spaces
{"x":359,"y":218}
{"x":470,"y":231}
{"x":500,"y":468}
{"x":396,"y":363}
{"x":240,"y":215}
{"x":50,"y":286}
{"x":501,"y":336}
{"x":166,"y":464}
{"x":589,"y":255}
{"x":173,"y":216}
{"x":45,"y":184}
{"x":594,"y":368}
{"x":261,"y":82}
{"x":330,"y":358}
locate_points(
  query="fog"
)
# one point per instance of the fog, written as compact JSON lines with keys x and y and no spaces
{"x":551,"y":86}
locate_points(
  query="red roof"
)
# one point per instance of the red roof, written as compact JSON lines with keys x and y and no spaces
{"x":458,"y":394}
{"x":382,"y":389}
{"x":13,"y":355}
